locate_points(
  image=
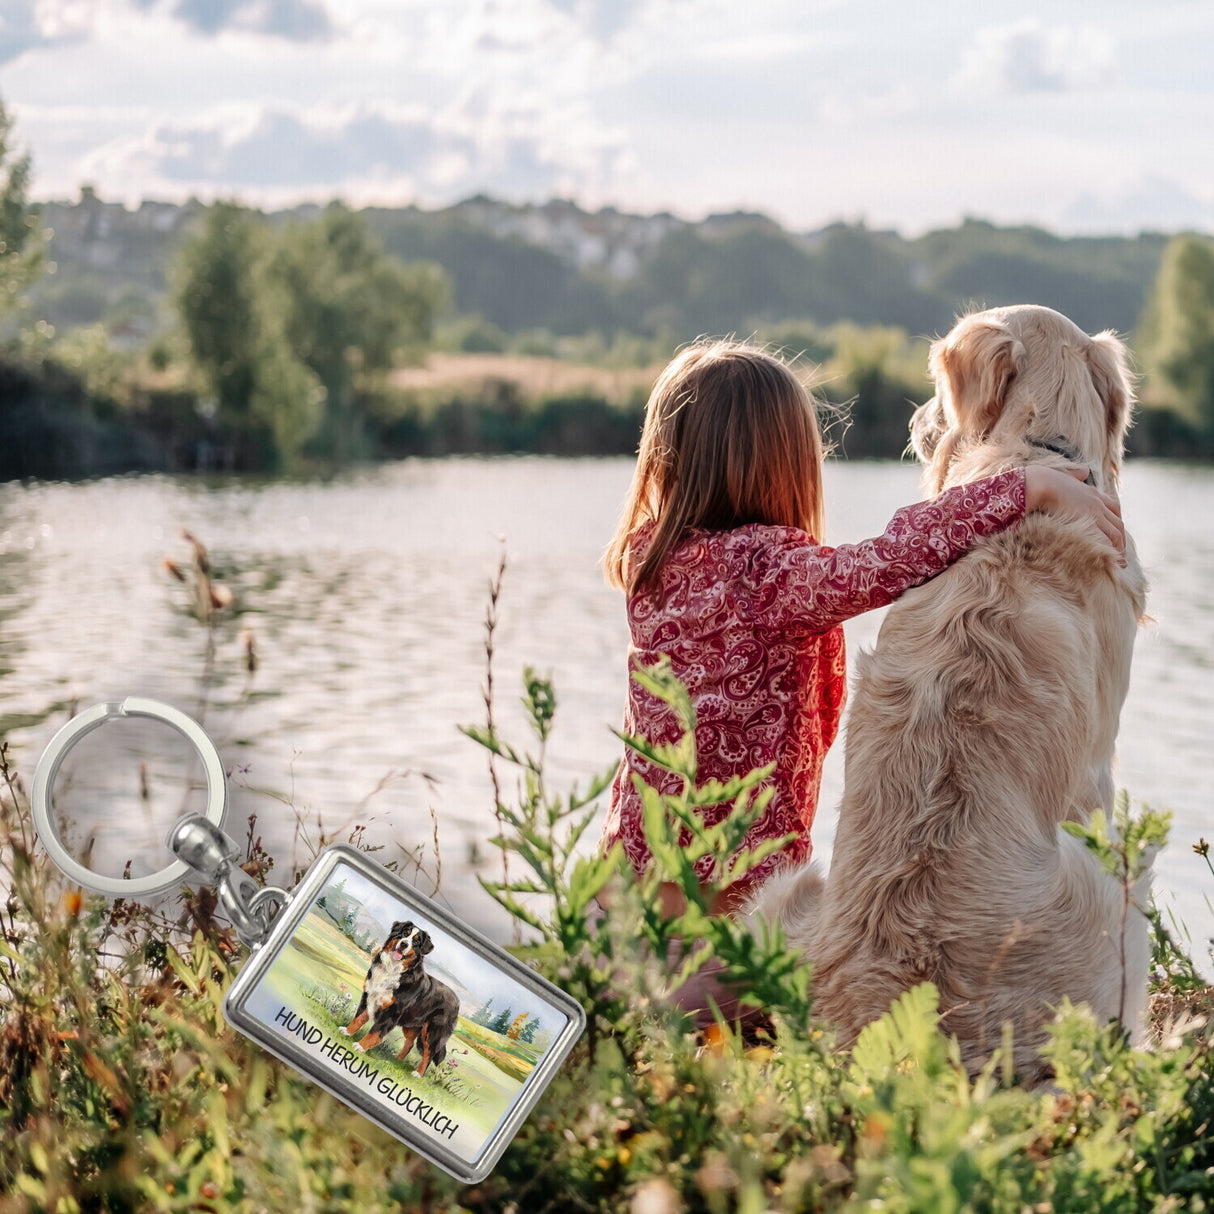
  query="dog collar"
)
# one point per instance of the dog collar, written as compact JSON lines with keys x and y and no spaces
{"x":1061,"y":446}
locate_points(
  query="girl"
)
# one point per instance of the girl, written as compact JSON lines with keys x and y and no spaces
{"x":717,"y":550}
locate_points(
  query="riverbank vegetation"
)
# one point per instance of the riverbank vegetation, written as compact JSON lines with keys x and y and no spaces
{"x":122,"y":1088}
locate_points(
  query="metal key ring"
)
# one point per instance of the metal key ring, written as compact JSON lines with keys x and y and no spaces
{"x":48,"y":768}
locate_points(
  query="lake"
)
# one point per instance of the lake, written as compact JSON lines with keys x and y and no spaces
{"x":365,"y":597}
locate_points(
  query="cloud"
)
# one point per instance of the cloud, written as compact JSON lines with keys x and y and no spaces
{"x":1028,"y":58}
{"x":1151,"y":204}
{"x":294,"y":20}
{"x":603,"y":19}
{"x":370,"y":152}
{"x":18,"y":31}
{"x":281,"y":148}
{"x":27,"y":25}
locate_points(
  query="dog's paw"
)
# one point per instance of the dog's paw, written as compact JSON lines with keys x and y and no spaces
{"x":345,"y":1032}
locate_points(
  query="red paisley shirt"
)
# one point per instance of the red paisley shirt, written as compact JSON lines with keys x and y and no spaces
{"x":751,"y":620}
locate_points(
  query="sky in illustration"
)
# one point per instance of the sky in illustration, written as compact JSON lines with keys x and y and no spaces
{"x":1079,"y":117}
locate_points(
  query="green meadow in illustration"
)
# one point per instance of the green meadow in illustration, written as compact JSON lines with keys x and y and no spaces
{"x":312,"y":991}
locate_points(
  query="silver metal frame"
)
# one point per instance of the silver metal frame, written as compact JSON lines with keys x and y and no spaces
{"x":285,"y":1048}
{"x":56,"y":751}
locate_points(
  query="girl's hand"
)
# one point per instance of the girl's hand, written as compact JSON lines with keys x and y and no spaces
{"x":1058,"y":492}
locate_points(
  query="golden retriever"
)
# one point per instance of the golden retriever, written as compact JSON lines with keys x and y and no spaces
{"x":986,"y":716}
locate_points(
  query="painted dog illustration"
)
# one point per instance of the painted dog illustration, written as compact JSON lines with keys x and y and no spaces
{"x":398,"y":993}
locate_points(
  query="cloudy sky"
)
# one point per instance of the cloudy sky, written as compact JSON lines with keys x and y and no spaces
{"x":1083,"y":117}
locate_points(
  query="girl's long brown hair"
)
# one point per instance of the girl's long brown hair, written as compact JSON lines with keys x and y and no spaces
{"x":730,"y":437}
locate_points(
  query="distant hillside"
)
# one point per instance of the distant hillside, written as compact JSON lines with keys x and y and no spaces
{"x":570,"y":271}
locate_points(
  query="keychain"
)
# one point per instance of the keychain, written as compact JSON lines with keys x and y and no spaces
{"x":364,"y":985}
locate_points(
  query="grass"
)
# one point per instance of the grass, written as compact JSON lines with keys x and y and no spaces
{"x":123,"y":1089}
{"x":512,"y":1062}
{"x":534,"y":378}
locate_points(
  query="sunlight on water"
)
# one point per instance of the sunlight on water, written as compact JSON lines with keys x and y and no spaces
{"x":366,"y":599}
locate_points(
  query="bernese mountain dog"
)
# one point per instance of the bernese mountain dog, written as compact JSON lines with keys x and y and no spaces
{"x":398,"y":993}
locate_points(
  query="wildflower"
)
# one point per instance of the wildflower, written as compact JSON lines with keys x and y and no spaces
{"x":220,"y":595}
{"x":655,"y":1196}
{"x":875,"y":1129}
{"x":1202,"y":848}
{"x":715,"y":1174}
{"x":72,"y":902}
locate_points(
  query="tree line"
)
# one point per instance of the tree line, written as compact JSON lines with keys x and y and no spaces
{"x":282,"y":332}
{"x":568,"y":272}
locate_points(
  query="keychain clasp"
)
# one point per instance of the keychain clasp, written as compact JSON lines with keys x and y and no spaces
{"x":213,"y":855}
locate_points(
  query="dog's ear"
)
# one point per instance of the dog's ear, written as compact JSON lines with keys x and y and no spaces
{"x":926,"y":429}
{"x":973,"y":366}
{"x":1108,"y":365}
{"x":423,"y":943}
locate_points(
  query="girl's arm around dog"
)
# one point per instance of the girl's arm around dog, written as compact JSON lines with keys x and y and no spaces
{"x":807,"y":588}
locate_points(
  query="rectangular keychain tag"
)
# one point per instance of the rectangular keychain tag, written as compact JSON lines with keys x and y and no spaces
{"x":415,"y":1021}
{"x":361,"y":983}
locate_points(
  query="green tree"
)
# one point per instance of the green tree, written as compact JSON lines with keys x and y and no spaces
{"x":350,"y":309}
{"x":87,"y":353}
{"x":1176,"y":339}
{"x":267,"y":399}
{"x":286,"y":327}
{"x":217,"y":295}
{"x":287,"y":397}
{"x":21,"y":235}
{"x":501,"y":1022}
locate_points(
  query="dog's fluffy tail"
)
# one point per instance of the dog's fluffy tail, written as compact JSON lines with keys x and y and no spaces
{"x":792,"y":898}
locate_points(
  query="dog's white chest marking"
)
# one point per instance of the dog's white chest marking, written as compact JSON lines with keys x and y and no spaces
{"x":382,"y":985}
